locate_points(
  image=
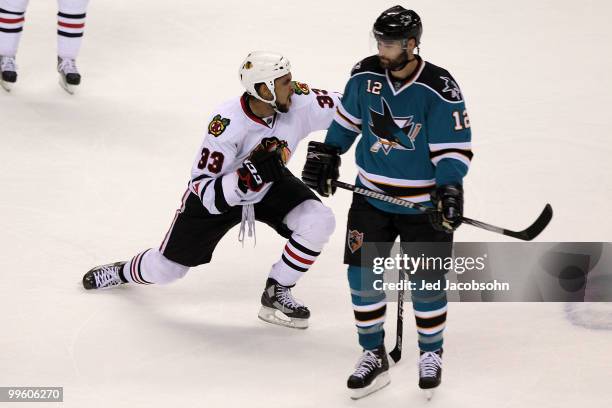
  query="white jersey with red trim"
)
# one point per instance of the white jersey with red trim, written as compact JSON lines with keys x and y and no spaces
{"x":234,"y":132}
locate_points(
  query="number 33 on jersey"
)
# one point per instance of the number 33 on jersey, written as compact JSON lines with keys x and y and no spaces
{"x":233,"y":132}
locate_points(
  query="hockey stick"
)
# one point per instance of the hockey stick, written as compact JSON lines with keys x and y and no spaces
{"x":527,"y":234}
{"x":396,"y":353}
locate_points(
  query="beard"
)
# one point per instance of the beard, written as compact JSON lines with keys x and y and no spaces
{"x":394,"y":64}
{"x":283,"y":107}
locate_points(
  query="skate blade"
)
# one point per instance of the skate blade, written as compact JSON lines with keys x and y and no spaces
{"x":379,"y":382}
{"x":71,"y":89}
{"x":7,"y":86}
{"x":429,"y":394}
{"x":275,"y":316}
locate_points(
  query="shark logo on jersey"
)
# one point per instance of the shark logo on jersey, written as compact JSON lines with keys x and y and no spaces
{"x":217,"y":125}
{"x":391,"y":132}
{"x":451,"y":87}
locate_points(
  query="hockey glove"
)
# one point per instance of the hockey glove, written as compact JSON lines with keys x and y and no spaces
{"x":262,"y":167}
{"x":448,"y":200}
{"x":321,"y":168}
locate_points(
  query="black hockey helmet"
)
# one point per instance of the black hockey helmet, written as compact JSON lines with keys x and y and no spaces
{"x":397,"y":23}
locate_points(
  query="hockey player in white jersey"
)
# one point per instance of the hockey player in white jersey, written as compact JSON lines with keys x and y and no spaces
{"x":239,"y":176}
{"x":70,"y":28}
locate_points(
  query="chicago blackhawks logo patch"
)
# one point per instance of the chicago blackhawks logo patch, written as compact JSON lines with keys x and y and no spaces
{"x":218,"y":125}
{"x":301,"y":88}
{"x":354,"y":240}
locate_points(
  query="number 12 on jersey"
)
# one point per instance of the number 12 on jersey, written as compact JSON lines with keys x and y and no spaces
{"x":462,"y":121}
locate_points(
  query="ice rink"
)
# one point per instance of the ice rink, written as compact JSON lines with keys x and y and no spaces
{"x":96,"y":177}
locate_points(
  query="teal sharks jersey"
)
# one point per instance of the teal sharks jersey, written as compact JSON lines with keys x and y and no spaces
{"x":415,"y":133}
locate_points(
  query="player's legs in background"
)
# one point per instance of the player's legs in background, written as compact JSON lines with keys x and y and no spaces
{"x":368,"y":225}
{"x":12,"y":18}
{"x":429,"y":305}
{"x":70,"y":28}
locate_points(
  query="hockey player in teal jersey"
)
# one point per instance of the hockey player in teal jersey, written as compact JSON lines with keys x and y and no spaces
{"x":415,"y":144}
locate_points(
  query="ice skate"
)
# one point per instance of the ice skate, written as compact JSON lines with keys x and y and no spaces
{"x":8,"y":69}
{"x":69,"y":74}
{"x":430,"y":371}
{"x":371,"y":373}
{"x":278,"y":306}
{"x":103,"y":277}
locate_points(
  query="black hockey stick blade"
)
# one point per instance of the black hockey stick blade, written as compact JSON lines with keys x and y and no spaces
{"x":396,"y":353}
{"x":527,"y":234}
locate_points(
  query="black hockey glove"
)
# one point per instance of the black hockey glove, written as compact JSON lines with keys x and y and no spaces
{"x":322,"y":166}
{"x":448,"y":200}
{"x":261,"y":167}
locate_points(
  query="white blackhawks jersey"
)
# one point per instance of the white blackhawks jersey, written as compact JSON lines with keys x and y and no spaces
{"x":234,"y":132}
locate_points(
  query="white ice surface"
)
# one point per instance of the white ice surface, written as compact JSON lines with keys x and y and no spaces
{"x":96,"y":177}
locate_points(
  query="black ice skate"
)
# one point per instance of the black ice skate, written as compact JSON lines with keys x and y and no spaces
{"x":430,"y":371}
{"x":8,"y":69}
{"x":278,"y":306}
{"x":69,"y":74}
{"x":104,"y":276}
{"x":371,"y":373}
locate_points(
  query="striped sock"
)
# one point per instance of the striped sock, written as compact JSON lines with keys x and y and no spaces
{"x":296,"y":259}
{"x":369,"y":307}
{"x":430,"y":319}
{"x":70,"y":29}
{"x":11,"y":26}
{"x":132,"y":270}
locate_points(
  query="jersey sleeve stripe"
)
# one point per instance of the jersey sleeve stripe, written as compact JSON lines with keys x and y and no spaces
{"x":200,"y":177}
{"x":204,"y":189}
{"x":375,"y":178}
{"x":434,"y":147}
{"x":417,"y":195}
{"x":346,"y":124}
{"x":350,"y":118}
{"x":466,"y":153}
{"x":462,"y":157}
{"x":220,"y":201}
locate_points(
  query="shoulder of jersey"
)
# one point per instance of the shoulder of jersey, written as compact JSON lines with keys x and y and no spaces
{"x":225,"y":118}
{"x":370,"y":64}
{"x":302,"y":95}
{"x":440,"y":81}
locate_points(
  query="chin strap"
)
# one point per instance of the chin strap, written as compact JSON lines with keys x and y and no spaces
{"x":403,"y":65}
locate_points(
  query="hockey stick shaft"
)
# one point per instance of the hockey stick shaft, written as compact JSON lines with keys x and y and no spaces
{"x":526,"y":235}
{"x":396,"y":353}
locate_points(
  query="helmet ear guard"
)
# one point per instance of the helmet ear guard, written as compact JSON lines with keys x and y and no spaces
{"x":263,"y":67}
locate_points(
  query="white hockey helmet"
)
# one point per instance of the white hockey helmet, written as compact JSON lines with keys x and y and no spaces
{"x":263,"y":66}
